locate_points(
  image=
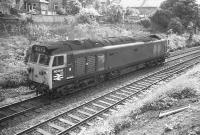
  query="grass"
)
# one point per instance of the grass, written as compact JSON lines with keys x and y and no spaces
{"x":13,"y":69}
{"x":160,"y":98}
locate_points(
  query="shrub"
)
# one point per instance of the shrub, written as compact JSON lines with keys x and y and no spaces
{"x":146,"y":22}
{"x":162,"y":17}
{"x":176,"y":42}
{"x":14,"y":79}
{"x":61,"y":11}
{"x":176,"y":25}
{"x":73,"y":7}
{"x":37,"y":32}
{"x":86,"y":16}
{"x":114,"y":14}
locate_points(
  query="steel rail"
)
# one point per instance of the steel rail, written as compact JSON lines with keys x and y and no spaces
{"x":20,"y":104}
{"x":176,"y":53}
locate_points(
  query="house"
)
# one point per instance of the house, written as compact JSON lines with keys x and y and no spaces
{"x":145,"y":7}
{"x":36,"y":6}
{"x":5,"y":6}
{"x":54,"y":6}
{"x":44,"y":7}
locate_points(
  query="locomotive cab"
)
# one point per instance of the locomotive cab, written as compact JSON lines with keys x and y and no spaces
{"x":42,"y":65}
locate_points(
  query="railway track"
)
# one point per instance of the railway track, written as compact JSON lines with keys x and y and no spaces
{"x":184,"y":51}
{"x":14,"y":110}
{"x":75,"y":118}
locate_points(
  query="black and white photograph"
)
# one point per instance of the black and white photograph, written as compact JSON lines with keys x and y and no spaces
{"x":99,"y":67}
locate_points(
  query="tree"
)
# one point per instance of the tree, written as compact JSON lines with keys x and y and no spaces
{"x":86,"y":3}
{"x":175,"y":25}
{"x":7,"y":3}
{"x":114,"y":14}
{"x":73,"y":7}
{"x":185,"y":10}
{"x":86,"y":15}
{"x":61,"y":11}
{"x":162,"y":17}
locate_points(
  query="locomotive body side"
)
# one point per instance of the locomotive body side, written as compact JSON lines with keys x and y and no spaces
{"x":136,"y":54}
{"x":92,"y":63}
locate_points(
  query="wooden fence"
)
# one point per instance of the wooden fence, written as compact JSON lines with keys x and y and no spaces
{"x":49,"y":18}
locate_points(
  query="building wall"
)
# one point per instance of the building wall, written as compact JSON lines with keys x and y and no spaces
{"x":54,"y":5}
{"x":4,"y":7}
{"x":146,"y":11}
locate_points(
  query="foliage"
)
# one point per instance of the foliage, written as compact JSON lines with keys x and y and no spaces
{"x":131,"y":11}
{"x":162,"y":17}
{"x":114,"y":14}
{"x":86,"y":15}
{"x":14,"y":79}
{"x":146,"y":22}
{"x":176,"y":42}
{"x":97,"y":5}
{"x":86,"y":3}
{"x":185,"y":10}
{"x":73,"y":7}
{"x":7,"y":3}
{"x":61,"y":11}
{"x":176,"y":25}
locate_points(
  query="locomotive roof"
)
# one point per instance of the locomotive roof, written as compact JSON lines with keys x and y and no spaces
{"x":71,"y":45}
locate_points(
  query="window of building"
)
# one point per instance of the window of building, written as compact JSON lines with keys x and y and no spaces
{"x":34,"y":6}
{"x":55,"y":7}
{"x":58,"y":61}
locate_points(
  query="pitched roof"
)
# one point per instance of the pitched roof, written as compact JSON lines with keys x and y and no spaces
{"x":141,"y":3}
{"x":37,"y":1}
{"x":144,"y":3}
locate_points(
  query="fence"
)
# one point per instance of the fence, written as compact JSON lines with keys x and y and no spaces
{"x":48,"y":18}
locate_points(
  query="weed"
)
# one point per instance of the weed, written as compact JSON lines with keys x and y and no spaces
{"x":14,"y":79}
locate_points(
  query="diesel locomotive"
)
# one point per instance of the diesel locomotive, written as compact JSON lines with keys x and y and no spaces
{"x":66,"y":66}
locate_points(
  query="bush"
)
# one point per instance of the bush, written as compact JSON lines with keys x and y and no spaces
{"x":114,"y":14}
{"x":73,"y":7}
{"x":176,"y":42}
{"x":176,"y":25}
{"x":162,"y":17}
{"x":86,"y":16}
{"x":146,"y":22}
{"x":61,"y":11}
{"x":14,"y":79}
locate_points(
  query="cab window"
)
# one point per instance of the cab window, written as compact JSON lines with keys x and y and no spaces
{"x":34,"y":57}
{"x":44,"y":59}
{"x":58,"y":61}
